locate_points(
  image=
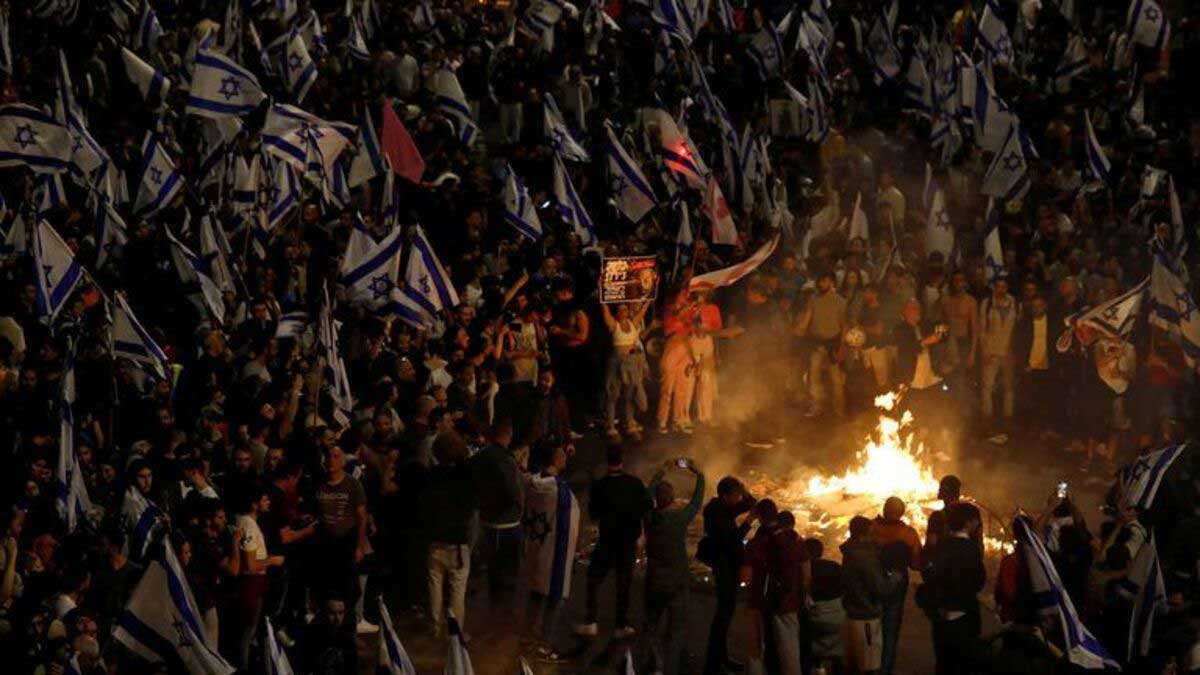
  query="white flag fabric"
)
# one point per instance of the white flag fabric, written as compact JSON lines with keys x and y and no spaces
{"x":87,"y":155}
{"x":425,"y":280}
{"x":1146,"y":24}
{"x":131,"y":340}
{"x":222,"y":88}
{"x":111,"y":231}
{"x":858,"y":221}
{"x":291,"y":325}
{"x":724,"y":231}
{"x":1075,"y":61}
{"x":1149,"y":598}
{"x":631,"y":191}
{"x":212,"y":254}
{"x":993,"y":34}
{"x":368,"y":159}
{"x":162,"y":622}
{"x":1096,"y":166}
{"x":939,"y":231}
{"x":193,"y":270}
{"x":450,"y":99}
{"x":1113,"y":318}
{"x":1082,"y":648}
{"x":1139,"y":481}
{"x":458,"y":660}
{"x":58,"y":271}
{"x":160,"y":180}
{"x":393,"y":658}
{"x":301,"y":138}
{"x":149,"y":82}
{"x":993,"y":254}
{"x":32,"y":138}
{"x":1007,"y":177}
{"x":299,"y":71}
{"x":274,"y":658}
{"x":370,"y":271}
{"x":766,"y":51}
{"x":560,"y":136}
{"x":570,"y":206}
{"x":1172,"y":307}
{"x":882,"y":51}
{"x":337,"y":380}
{"x":143,"y":520}
{"x":283,"y":197}
{"x":678,"y":152}
{"x":551,"y":530}
{"x":727,"y":276}
{"x":519,"y":209}
{"x":71,"y":497}
{"x":149,"y":30}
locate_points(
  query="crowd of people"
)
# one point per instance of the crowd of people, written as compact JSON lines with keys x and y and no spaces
{"x":214,"y":376}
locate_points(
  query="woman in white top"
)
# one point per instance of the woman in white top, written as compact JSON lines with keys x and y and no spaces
{"x":625,"y":373}
{"x":252,"y":582}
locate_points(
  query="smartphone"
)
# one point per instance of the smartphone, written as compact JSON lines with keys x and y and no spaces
{"x":681,"y":462}
{"x":1061,"y":489}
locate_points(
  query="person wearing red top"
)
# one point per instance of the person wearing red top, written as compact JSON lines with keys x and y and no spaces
{"x":676,"y":370}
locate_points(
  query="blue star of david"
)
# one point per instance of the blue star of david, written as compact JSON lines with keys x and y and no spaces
{"x":1186,"y":305}
{"x":1004,"y":45}
{"x":230,"y":87}
{"x":1152,"y":13}
{"x":155,"y":175}
{"x":1013,"y":161}
{"x":380,"y":286}
{"x":26,"y":136}
{"x":78,"y":145}
{"x":425,"y":285}
{"x":1112,"y":313}
{"x":619,"y":183}
{"x":1137,"y":469}
{"x":943,"y":220}
{"x":294,"y":62}
{"x":995,"y":266}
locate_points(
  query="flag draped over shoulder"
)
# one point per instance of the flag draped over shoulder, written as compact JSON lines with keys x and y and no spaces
{"x":1149,"y":598}
{"x":551,"y":530}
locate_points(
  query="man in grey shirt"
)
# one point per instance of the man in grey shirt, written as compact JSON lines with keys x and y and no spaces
{"x":826,"y":321}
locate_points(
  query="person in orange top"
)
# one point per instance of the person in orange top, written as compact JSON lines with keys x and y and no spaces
{"x":676,"y":370}
{"x":708,"y":326}
{"x":900,"y":547}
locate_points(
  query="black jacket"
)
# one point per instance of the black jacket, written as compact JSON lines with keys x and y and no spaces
{"x":448,"y":502}
{"x":958,"y":575}
{"x":498,"y":485}
{"x":1022,"y":340}
{"x":617,"y":503}
{"x":725,"y":535}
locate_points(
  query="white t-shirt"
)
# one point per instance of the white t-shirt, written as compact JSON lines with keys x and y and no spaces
{"x":253,"y":542}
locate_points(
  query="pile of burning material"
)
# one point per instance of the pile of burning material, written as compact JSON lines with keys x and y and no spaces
{"x":892,"y":463}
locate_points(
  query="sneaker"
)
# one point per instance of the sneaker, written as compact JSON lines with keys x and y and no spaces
{"x":623,"y":632}
{"x":662,"y":429}
{"x":684,"y":428}
{"x":999,"y":439}
{"x":587,"y":629}
{"x":365,"y":627}
{"x":547,"y":654}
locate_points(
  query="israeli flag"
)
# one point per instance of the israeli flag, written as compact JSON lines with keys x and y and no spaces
{"x":1149,"y":598}
{"x":299,"y":71}
{"x":314,"y":35}
{"x":216,"y":141}
{"x":882,"y":51}
{"x":993,"y":34}
{"x":33,"y":139}
{"x":356,"y":43}
{"x":1146,"y":24}
{"x":426,"y":282}
{"x":939,"y":231}
{"x":213,"y":254}
{"x":1172,"y":307}
{"x":222,"y":88}
{"x":337,"y":381}
{"x":1006,"y":178}
{"x":57,"y":271}
{"x":1082,"y":648}
{"x":143,"y":521}
{"x":49,"y":193}
{"x":131,"y":341}
{"x":993,"y":254}
{"x":452,"y":102}
{"x":631,"y":191}
{"x":560,"y":136}
{"x":678,"y":152}
{"x":299,"y":137}
{"x":370,"y":270}
{"x":86,"y":154}
{"x":71,"y":497}
{"x":766,"y":51}
{"x":519,"y":209}
{"x":368,"y":159}
{"x":859,"y":228}
{"x":194,"y":271}
{"x":111,"y":231}
{"x":551,"y":556}
{"x":231,"y":30}
{"x":570,"y":206}
{"x":458,"y":660}
{"x":371,"y":21}
{"x":676,"y":17}
{"x":149,"y":82}
{"x":283,"y":195}
{"x":149,"y":30}
{"x":274,"y":658}
{"x":918,"y":88}
{"x":393,"y":659}
{"x":1096,"y":167}
{"x":160,"y":180}
{"x":1075,"y":62}
{"x":162,"y":622}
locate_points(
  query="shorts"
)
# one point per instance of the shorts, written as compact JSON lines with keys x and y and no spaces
{"x":864,"y":644}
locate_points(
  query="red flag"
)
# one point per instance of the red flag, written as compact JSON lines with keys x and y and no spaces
{"x":398,"y":147}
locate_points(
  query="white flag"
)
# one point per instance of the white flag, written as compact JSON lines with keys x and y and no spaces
{"x":393,"y":658}
{"x":58,"y":272}
{"x":939,"y":231}
{"x":425,"y":280}
{"x":631,"y":191}
{"x":149,"y":82}
{"x":570,"y":206}
{"x":193,"y":270}
{"x":160,"y":181}
{"x":131,"y":341}
{"x":560,"y":136}
{"x":450,"y":99}
{"x":519,"y":209}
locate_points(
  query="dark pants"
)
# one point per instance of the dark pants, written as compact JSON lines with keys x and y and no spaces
{"x":247,"y":606}
{"x":500,"y":551}
{"x":335,"y":572}
{"x":725,"y":586}
{"x":1039,"y":392}
{"x":611,"y":555}
{"x":954,"y":643}
{"x":665,"y":649}
{"x":893,"y":616}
